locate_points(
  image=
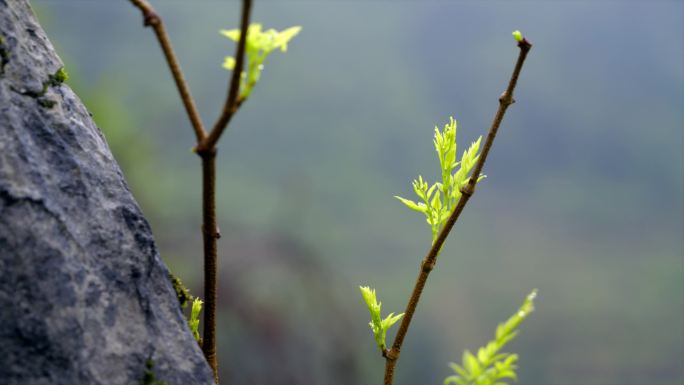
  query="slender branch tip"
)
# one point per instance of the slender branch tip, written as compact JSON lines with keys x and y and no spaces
{"x":505,"y":100}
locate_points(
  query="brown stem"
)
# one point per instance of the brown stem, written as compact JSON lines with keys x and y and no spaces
{"x":152,"y":19}
{"x":428,"y":263}
{"x":210,"y":234}
{"x":206,"y":149}
{"x":233,"y":100}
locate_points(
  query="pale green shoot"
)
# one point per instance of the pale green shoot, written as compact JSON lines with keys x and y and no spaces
{"x":378,"y":326}
{"x":440,"y":199}
{"x":193,"y":322}
{"x":517,"y":35}
{"x":258,"y":46}
{"x":490,"y":366}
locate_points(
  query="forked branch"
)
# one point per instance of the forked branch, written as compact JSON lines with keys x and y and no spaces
{"x":505,"y":100}
{"x":206,"y":149}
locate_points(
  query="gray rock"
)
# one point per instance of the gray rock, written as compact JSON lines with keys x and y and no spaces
{"x":84,"y":296}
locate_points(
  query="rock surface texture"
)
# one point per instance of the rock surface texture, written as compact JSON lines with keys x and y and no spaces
{"x":84,"y":296}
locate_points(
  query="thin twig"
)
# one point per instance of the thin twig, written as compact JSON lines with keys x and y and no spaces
{"x":428,"y":263}
{"x":152,"y":19}
{"x":210,"y":234}
{"x":233,"y":100}
{"x":206,"y":149}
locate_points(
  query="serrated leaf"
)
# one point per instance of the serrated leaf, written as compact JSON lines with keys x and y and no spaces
{"x":507,"y":338}
{"x":372,"y":303}
{"x":482,"y":355}
{"x":420,"y":207}
{"x":193,"y":322}
{"x":430,"y":191}
{"x":232,"y":34}
{"x":420,"y":188}
{"x":475,"y":147}
{"x":284,"y":37}
{"x":491,"y":348}
{"x":500,"y":356}
{"x":508,"y":374}
{"x":390,"y":320}
{"x":436,"y":202}
{"x":499,"y":331}
{"x":458,"y":369}
{"x":438,"y":141}
{"x":471,"y":364}
{"x":510,"y":360}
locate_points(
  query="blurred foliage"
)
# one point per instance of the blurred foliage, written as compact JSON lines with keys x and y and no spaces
{"x":259,"y":45}
{"x":583,"y":200}
{"x":491,"y":366}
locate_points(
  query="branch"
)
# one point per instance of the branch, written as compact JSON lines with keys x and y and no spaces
{"x":210,"y":236}
{"x":233,"y":100}
{"x":152,"y":19}
{"x":428,"y":263}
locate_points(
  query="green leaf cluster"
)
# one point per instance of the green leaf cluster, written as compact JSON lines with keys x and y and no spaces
{"x":378,"y":325}
{"x":491,"y":366}
{"x":193,"y":322}
{"x":438,"y":201}
{"x":258,"y":46}
{"x":184,"y":297}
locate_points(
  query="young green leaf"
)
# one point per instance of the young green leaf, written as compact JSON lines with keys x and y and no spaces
{"x":258,"y":46}
{"x":193,"y":322}
{"x":285,"y":36}
{"x":390,"y":320}
{"x":378,"y":326}
{"x":420,"y":207}
{"x":441,"y":198}
{"x":490,"y":366}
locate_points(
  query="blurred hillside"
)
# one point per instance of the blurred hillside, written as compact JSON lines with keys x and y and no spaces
{"x":583,"y":198}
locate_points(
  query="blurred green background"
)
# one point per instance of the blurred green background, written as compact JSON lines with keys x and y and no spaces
{"x":583,"y":198}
